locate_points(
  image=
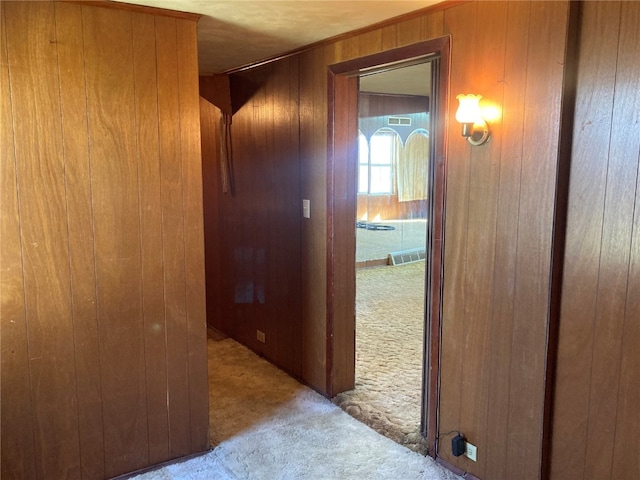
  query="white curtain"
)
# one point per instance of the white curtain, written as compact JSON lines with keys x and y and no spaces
{"x":412,"y":168}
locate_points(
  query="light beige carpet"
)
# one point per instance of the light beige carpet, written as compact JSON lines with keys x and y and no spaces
{"x":265,"y":425}
{"x":389,"y":344}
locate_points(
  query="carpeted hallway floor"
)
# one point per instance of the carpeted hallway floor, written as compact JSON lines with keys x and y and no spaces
{"x":389,"y":352}
{"x":266,"y":425}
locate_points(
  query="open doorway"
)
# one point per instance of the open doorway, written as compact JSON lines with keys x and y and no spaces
{"x":342,"y":195}
{"x":391,"y":236}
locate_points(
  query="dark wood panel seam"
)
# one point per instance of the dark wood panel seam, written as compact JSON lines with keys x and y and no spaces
{"x":560,"y":229}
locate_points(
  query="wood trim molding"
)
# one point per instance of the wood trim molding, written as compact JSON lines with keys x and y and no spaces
{"x":338,"y":318}
{"x":445,"y":5}
{"x":137,"y":8}
{"x":456,"y":470}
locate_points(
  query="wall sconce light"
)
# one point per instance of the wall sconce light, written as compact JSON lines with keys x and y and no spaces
{"x":474,"y":127}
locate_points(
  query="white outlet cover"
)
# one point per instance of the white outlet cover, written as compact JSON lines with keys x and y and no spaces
{"x":471,"y":452}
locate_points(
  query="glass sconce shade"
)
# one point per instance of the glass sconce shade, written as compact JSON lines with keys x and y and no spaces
{"x":474,"y":128}
{"x":469,"y":108}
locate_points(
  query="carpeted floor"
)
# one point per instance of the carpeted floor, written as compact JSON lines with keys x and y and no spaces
{"x":266,"y":425}
{"x":378,"y":244}
{"x":389,"y":351}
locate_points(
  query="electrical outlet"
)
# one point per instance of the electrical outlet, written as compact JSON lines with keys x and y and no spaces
{"x":260,"y":336}
{"x":471,"y":451}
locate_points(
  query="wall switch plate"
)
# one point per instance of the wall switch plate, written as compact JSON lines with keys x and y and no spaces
{"x":260,"y":336}
{"x":471,"y":452}
{"x":306,"y":208}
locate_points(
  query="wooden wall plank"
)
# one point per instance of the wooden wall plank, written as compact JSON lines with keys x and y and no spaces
{"x":193,"y":233}
{"x":286,"y":163}
{"x":389,"y":37}
{"x":370,"y":42}
{"x":313,"y":187}
{"x":595,"y":90}
{"x":512,"y":132}
{"x":433,"y":25}
{"x":109,"y":70}
{"x":459,"y":24}
{"x":173,"y":238}
{"x":545,"y":67}
{"x":149,"y":186}
{"x":83,"y":289}
{"x":80,"y":230}
{"x":342,"y":50}
{"x":210,"y":118}
{"x":410,"y":31}
{"x":17,"y":440}
{"x":617,"y":231}
{"x":626,"y":144}
{"x":32,"y":58}
{"x":491,"y":23}
{"x":342,"y":175}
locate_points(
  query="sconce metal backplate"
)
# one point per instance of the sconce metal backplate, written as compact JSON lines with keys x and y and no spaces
{"x":480,"y":134}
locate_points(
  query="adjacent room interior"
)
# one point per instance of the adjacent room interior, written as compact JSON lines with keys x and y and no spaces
{"x":392,"y":197}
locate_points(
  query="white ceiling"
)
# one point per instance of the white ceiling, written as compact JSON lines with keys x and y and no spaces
{"x":233,"y":33}
{"x":409,"y":80}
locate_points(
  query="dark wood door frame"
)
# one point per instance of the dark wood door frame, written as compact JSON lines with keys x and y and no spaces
{"x":342,"y":131}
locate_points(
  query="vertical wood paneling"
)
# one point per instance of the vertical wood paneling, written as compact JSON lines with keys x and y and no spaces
{"x":286,"y":341}
{"x":313,"y":187}
{"x":258,"y":225}
{"x":627,"y":420}
{"x":410,"y":31}
{"x":459,"y":23}
{"x":149,"y":185}
{"x":512,"y":131}
{"x":433,"y":25}
{"x":491,"y":21}
{"x":545,"y":66}
{"x":40,"y":173}
{"x":626,"y":144}
{"x":596,"y":73}
{"x":389,"y":37}
{"x":113,"y":154}
{"x":595,"y":401}
{"x":84,"y":352}
{"x":370,"y":42}
{"x":193,"y":232}
{"x":17,"y":440}
{"x":342,"y":175}
{"x":173,"y":238}
{"x":80,"y":228}
{"x":619,"y":205}
{"x":210,"y":117}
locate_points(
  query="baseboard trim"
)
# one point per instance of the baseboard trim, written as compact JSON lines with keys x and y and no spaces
{"x":158,"y":466}
{"x":456,"y":470}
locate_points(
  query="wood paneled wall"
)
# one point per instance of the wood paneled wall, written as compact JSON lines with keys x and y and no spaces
{"x":499,"y":219}
{"x":501,"y":224}
{"x":103,"y":309}
{"x":253,"y":231}
{"x":499,"y":228}
{"x":597,"y":396}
